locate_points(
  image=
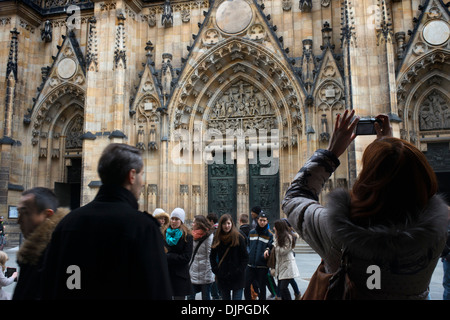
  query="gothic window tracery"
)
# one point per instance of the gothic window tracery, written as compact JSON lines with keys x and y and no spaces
{"x":147,"y":121}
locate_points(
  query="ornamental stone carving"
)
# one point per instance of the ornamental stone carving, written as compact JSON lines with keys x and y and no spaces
{"x":434,"y":113}
{"x":244,"y":107}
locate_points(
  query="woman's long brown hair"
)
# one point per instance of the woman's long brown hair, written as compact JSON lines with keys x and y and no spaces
{"x":395,"y":179}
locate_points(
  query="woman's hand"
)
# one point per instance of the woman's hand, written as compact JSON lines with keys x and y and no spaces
{"x":343,"y":133}
{"x":384,"y":129}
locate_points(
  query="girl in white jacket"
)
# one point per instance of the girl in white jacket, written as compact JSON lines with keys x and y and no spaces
{"x":285,"y":265}
{"x":4,"y":281}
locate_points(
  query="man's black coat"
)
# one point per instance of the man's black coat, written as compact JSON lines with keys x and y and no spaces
{"x":116,"y":252}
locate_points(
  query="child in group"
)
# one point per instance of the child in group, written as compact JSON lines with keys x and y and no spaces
{"x":4,"y":281}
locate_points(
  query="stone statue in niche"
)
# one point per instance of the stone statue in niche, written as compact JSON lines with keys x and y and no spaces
{"x":166,"y":75}
{"x":434,"y":113}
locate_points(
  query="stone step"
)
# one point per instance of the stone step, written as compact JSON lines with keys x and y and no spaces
{"x":303,"y":247}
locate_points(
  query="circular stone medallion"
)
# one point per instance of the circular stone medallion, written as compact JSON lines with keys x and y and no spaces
{"x":436,"y":32}
{"x":233,"y":16}
{"x":66,"y":68}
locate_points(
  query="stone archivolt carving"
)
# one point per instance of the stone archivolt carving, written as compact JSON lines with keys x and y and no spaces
{"x":434,"y":112}
{"x":411,"y":75}
{"x":244,"y":107}
{"x":257,"y":32}
{"x":211,"y":37}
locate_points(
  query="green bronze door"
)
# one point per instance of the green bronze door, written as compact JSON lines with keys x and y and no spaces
{"x":222,"y":189}
{"x":264,"y":189}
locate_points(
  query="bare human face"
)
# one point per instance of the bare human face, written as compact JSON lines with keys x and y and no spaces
{"x":262,"y":222}
{"x":162,"y":221}
{"x":226,"y":226}
{"x":29,"y":217}
{"x":175,"y":223}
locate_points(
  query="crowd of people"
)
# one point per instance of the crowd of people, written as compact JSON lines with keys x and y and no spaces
{"x":158,"y":256}
{"x":392,"y":218}
{"x":221,"y":261}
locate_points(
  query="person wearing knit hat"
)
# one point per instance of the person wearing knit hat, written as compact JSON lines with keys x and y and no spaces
{"x":179,"y":246}
{"x":178,"y":213}
{"x":162,"y":217}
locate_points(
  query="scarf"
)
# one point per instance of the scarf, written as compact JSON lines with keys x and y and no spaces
{"x":226,"y":238}
{"x":172,"y":236}
{"x":260,"y":230}
{"x":198,"y":234}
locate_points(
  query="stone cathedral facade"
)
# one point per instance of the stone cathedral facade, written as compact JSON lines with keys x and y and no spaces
{"x":225,"y":98}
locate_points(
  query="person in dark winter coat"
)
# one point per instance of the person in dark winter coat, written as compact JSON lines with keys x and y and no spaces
{"x":228,"y":259}
{"x":260,"y":241}
{"x":108,"y":249}
{"x":179,"y":246}
{"x":38,"y":216}
{"x":446,"y":263}
{"x":244,"y":228}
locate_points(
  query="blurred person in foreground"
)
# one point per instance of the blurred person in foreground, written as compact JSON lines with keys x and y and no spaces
{"x":38,"y":217}
{"x":391,"y":219}
{"x":108,"y":249}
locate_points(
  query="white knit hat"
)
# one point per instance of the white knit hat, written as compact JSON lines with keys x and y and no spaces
{"x":178,"y":213}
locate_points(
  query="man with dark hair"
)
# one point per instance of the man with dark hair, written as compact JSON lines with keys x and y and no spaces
{"x":254,"y":212}
{"x":244,"y":227}
{"x":108,"y":249}
{"x":38,"y":216}
{"x":260,"y":240}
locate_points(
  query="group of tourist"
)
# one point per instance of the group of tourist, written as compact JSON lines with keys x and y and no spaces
{"x":219,"y":260}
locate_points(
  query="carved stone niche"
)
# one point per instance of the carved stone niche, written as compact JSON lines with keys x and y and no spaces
{"x":434,"y":112}
{"x":74,"y":133}
{"x":244,"y":107}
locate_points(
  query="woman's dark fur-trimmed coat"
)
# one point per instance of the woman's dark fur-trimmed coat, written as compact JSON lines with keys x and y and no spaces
{"x":178,"y":257}
{"x":30,"y":257}
{"x":406,"y":253}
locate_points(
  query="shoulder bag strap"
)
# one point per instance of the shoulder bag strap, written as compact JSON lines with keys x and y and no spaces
{"x":223,"y":257}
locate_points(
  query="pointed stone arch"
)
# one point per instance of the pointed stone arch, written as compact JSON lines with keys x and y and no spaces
{"x":235,"y":65}
{"x":53,"y":132}
{"x":198,"y":83}
{"x":428,"y":72}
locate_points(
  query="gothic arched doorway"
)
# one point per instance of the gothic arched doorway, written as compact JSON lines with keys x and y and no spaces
{"x":243,"y":122}
{"x":57,"y":130}
{"x":69,"y":191}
